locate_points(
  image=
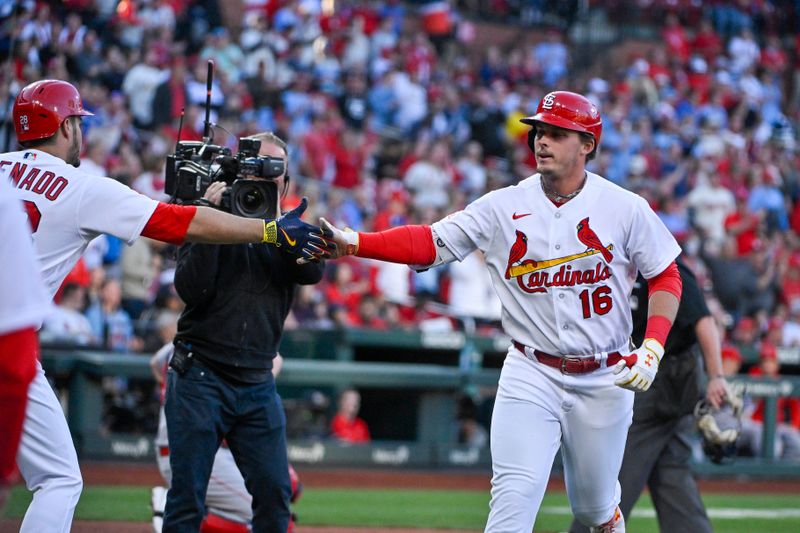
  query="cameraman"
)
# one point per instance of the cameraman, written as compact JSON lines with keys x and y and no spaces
{"x":220,"y":384}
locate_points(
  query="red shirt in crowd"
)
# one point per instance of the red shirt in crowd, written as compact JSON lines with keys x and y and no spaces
{"x":355,"y":430}
{"x":774,"y":58}
{"x":349,"y":162}
{"x":707,"y":44}
{"x":677,"y":43}
{"x":746,"y":238}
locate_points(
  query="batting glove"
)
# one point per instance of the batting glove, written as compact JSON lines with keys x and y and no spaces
{"x":345,"y":241}
{"x":297,"y":237}
{"x":642,"y":365}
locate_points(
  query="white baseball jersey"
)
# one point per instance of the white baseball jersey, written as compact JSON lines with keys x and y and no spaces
{"x":564,"y":273}
{"x":67,"y":208}
{"x":23,"y":300}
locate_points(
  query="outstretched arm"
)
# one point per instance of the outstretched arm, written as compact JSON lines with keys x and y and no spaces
{"x":409,"y":245}
{"x":178,"y":224}
{"x":213,"y":226}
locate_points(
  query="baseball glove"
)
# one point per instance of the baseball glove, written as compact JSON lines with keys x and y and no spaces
{"x":720,"y":428}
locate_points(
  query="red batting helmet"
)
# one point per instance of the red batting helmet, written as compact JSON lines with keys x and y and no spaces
{"x":42,"y":106}
{"x":569,"y":111}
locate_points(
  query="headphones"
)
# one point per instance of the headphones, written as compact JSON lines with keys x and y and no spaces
{"x":286,"y":180}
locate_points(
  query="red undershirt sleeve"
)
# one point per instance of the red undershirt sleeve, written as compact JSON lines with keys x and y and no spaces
{"x":668,"y":281}
{"x":169,"y":223}
{"x":410,"y":245}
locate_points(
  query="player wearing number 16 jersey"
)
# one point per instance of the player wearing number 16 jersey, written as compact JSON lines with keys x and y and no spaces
{"x":563,"y":248}
{"x":66,"y":209}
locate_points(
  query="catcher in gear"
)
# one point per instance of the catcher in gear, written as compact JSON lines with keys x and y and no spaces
{"x":720,"y":427}
{"x":657,"y":451}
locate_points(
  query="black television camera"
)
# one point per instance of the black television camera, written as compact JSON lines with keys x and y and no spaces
{"x":195,"y":165}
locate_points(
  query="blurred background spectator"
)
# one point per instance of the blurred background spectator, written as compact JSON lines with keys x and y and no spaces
{"x":346,"y":426}
{"x":471,"y":432}
{"x":67,"y":323}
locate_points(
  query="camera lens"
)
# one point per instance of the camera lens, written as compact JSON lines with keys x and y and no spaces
{"x":252,"y":199}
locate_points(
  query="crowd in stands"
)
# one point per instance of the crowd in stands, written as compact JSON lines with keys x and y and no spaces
{"x":396,"y":113}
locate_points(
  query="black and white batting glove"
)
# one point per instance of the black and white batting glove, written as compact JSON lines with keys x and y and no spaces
{"x":641,"y":364}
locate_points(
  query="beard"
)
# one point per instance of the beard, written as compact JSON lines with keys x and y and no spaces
{"x":74,"y":153}
{"x":547,"y":174}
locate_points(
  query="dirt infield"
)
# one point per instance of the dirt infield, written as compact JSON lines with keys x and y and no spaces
{"x":109,"y":473}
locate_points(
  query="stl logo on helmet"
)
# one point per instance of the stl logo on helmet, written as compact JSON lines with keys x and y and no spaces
{"x":534,"y":276}
{"x":548,"y":101}
{"x":23,"y":122}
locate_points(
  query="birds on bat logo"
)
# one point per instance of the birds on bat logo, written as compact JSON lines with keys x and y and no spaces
{"x":518,"y":267}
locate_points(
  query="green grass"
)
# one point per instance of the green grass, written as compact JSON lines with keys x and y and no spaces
{"x":429,"y":508}
{"x":97,"y":503}
{"x":408,"y":508}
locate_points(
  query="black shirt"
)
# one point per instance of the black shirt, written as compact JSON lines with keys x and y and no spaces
{"x":692,"y":308}
{"x":237,"y":298}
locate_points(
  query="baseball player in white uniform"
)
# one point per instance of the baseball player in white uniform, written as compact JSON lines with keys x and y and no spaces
{"x":23,"y":305}
{"x":67,"y":208}
{"x":563,"y":247}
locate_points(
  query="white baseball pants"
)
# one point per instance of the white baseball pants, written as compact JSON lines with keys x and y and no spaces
{"x":537,"y":410}
{"x":48,"y":462}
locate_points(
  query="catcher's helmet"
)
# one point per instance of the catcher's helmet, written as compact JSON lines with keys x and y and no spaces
{"x":569,"y":111}
{"x":42,"y":106}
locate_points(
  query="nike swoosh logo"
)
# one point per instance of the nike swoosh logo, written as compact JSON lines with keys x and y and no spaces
{"x":289,"y":241}
{"x":516,"y":216}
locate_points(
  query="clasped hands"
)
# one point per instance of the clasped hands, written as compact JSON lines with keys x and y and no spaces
{"x":337,"y":242}
{"x":289,"y":232}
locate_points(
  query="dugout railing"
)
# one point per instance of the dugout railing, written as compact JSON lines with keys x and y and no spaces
{"x":427,"y":374}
